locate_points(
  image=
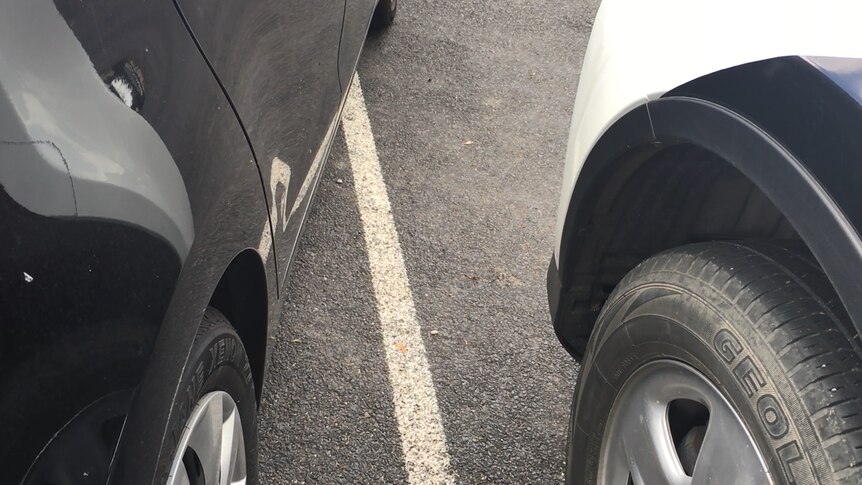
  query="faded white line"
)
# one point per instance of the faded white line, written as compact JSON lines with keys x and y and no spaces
{"x":419,"y":424}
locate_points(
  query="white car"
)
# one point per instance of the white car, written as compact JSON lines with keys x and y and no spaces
{"x":708,"y":266}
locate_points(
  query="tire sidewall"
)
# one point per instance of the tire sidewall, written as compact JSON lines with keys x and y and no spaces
{"x":218,"y":362}
{"x":705,"y":331}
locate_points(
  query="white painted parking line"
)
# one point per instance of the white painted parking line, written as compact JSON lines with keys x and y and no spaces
{"x":416,"y":410}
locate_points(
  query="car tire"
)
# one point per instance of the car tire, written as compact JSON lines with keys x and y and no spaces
{"x":384,"y":14}
{"x":743,"y":342}
{"x":217,"y":380}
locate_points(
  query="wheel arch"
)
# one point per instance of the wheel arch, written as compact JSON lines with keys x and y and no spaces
{"x":241,"y":296}
{"x":711,"y":160}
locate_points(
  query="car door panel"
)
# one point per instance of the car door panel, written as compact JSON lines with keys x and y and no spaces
{"x":278,"y":62}
{"x":357,"y":16}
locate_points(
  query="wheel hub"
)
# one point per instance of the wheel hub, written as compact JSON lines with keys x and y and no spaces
{"x":211,"y":450}
{"x":639,"y":445}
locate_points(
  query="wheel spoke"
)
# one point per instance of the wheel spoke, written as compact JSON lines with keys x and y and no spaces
{"x":650,"y":451}
{"x":228,"y":447}
{"x":237,"y":470}
{"x":649,"y":447}
{"x":639,"y":430}
{"x":232,"y":446}
{"x":616,"y":468}
{"x":728,"y":454}
{"x":214,"y":433}
{"x":182,"y":477}
{"x":206,"y":439}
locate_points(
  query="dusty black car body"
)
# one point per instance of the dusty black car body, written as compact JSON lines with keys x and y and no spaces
{"x":156,"y":158}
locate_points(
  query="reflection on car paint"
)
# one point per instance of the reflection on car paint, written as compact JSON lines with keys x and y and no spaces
{"x":119,"y":166}
{"x":279,"y":175}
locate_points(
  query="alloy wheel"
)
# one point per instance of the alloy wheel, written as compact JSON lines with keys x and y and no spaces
{"x":645,"y":444}
{"x":212,"y":448}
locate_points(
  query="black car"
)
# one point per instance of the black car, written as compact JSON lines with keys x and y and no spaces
{"x":157,"y":160}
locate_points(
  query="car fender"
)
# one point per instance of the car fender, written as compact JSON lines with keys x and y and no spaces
{"x":638,"y":51}
{"x":802,"y":152}
{"x":113,"y":162}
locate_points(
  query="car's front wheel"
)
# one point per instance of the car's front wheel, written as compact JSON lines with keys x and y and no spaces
{"x":217,"y":442}
{"x":720,"y":363}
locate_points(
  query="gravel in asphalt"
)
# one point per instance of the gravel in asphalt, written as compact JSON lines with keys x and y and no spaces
{"x":469,"y":103}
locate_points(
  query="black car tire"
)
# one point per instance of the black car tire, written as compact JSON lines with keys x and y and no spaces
{"x":384,"y":14}
{"x":761,"y":322}
{"x":218,"y":362}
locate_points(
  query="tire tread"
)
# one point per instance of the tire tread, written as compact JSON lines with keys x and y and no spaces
{"x":792,"y":306}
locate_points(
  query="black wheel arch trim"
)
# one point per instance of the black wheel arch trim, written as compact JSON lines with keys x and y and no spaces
{"x":808,"y":178}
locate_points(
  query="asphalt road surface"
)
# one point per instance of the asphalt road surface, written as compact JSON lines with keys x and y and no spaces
{"x":469,"y":104}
